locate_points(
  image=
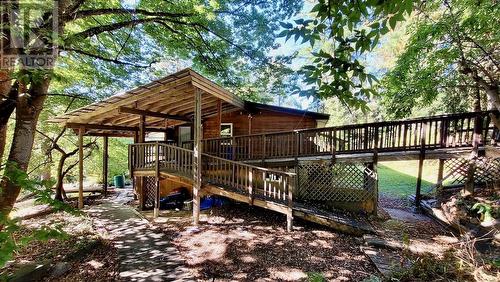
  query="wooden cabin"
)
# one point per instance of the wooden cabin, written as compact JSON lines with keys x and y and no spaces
{"x":191,"y":133}
{"x":252,"y":118}
{"x":172,"y":110}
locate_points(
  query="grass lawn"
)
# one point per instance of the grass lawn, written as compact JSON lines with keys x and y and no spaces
{"x":399,"y":178}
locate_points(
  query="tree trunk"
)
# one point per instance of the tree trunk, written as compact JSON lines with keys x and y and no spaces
{"x":493,"y":97}
{"x":9,"y":94}
{"x":60,"y":177}
{"x":28,"y":108}
{"x":3,"y":141}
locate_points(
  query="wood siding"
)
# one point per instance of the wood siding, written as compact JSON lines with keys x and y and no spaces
{"x":262,"y":122}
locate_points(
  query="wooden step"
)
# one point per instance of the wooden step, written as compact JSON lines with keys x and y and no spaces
{"x":337,"y":221}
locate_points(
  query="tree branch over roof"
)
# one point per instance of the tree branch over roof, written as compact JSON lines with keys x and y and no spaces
{"x":111,"y":60}
{"x":118,"y":11}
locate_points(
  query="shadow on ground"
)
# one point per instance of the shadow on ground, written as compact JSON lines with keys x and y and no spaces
{"x":145,"y":253}
{"x":248,"y":243}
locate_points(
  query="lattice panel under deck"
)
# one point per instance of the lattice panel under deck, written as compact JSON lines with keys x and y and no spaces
{"x":341,"y":182}
{"x":487,"y":170}
{"x":149,"y":191}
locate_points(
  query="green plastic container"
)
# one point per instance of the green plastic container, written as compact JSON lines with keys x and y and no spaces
{"x":119,"y":181}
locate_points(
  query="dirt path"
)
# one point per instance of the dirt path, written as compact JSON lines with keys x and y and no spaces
{"x":145,"y":252}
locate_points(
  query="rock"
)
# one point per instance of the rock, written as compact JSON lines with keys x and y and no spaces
{"x":378,"y":242}
{"x":475,"y":221}
{"x":31,"y":272}
{"x":497,"y":237}
{"x":491,"y":223}
{"x":60,"y":269}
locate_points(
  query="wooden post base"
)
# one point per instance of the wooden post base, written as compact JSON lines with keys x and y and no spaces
{"x":289,"y":222}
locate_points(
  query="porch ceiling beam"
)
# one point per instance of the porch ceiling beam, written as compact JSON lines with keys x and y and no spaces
{"x":104,"y":111}
{"x":111,"y":127}
{"x":152,"y":114}
{"x":103,"y":134}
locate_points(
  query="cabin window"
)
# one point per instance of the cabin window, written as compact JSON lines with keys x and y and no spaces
{"x":226,"y":130}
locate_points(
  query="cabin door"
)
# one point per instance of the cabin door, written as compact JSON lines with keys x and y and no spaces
{"x":184,"y":135}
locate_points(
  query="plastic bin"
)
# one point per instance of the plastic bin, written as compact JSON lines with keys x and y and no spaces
{"x":119,"y":181}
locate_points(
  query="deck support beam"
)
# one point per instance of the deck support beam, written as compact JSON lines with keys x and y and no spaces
{"x":81,"y":132}
{"x":421,"y":159}
{"x":219,"y":117}
{"x":105,"y":164}
{"x":439,"y":184}
{"x":197,"y":157}
{"x":140,"y":181}
{"x":152,"y":114}
{"x":157,"y":181}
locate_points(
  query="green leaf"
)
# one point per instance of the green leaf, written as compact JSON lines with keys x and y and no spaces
{"x":392,"y":22}
{"x":286,"y":25}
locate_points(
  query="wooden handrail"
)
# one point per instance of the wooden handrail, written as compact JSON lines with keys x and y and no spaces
{"x":443,"y":132}
{"x":381,"y":123}
{"x":256,"y":182}
{"x":250,"y":166}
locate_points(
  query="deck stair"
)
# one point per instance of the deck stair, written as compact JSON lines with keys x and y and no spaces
{"x":262,"y":187}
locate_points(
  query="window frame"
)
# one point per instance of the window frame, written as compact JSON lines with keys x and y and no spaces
{"x":231,"y":129}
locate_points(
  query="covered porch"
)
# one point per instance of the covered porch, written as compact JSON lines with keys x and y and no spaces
{"x":170,"y":109}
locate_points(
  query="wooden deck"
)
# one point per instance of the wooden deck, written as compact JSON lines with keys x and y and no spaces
{"x":228,"y":166}
{"x":439,"y":137}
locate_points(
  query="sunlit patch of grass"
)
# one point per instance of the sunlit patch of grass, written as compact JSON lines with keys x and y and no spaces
{"x":399,"y":178}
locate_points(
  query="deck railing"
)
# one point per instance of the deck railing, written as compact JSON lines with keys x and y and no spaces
{"x":256,"y":182}
{"x":158,"y":156}
{"x":436,"y":132}
{"x":252,"y":181}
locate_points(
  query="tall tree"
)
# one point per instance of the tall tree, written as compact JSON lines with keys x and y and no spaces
{"x":117,"y":39}
{"x":455,"y":41}
{"x":453,"y":52}
{"x":340,"y":32}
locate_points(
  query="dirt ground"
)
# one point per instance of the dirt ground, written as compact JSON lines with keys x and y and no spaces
{"x":237,"y":242}
{"x":244,"y":243}
{"x":401,"y":223}
{"x":82,"y":254}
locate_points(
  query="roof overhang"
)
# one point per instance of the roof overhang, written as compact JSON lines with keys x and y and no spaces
{"x":168,"y":101}
{"x":255,"y":107}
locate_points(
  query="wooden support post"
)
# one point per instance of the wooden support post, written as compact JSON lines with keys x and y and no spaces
{"x":219,"y":117}
{"x":142,"y":129}
{"x":197,"y":157}
{"x":375,"y":165}
{"x":250,"y":124}
{"x":439,"y":183}
{"x":81,"y":132}
{"x":263,"y":148}
{"x":105,"y":164}
{"x":469,"y":181}
{"x":289,"y":214}
{"x":134,"y":178}
{"x":140,"y":181}
{"x":421,"y":159}
{"x":165,"y":137}
{"x":156,"y":211}
{"x":333,"y":145}
{"x":477,"y":136}
{"x":250,"y":155}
